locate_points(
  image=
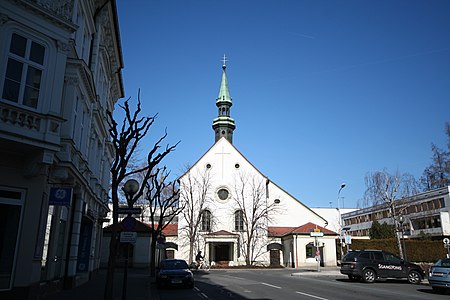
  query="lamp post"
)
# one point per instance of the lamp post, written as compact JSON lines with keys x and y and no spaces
{"x":129,"y":188}
{"x":340,"y":219}
{"x":401,"y":220}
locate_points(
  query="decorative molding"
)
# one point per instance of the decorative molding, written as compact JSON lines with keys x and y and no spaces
{"x":63,"y":47}
{"x":70,"y":80}
{"x":3,"y":18}
{"x":62,"y":8}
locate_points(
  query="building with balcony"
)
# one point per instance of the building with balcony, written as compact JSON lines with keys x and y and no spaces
{"x":60,"y":72}
{"x":426,"y":213}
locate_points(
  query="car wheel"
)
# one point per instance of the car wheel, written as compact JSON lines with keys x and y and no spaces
{"x":414,"y":277}
{"x":369,"y":276}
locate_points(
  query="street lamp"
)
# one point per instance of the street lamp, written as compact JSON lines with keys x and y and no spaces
{"x":130,"y":188}
{"x":401,"y":220}
{"x":340,"y":219}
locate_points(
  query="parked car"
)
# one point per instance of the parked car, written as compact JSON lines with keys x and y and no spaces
{"x":439,"y":276}
{"x":174,"y":272}
{"x":369,"y":265}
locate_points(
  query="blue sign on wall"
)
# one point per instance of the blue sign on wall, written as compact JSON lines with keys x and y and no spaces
{"x":60,"y":196}
{"x":84,"y":247}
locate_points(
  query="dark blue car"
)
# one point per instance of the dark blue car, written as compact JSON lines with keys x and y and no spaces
{"x":174,"y":272}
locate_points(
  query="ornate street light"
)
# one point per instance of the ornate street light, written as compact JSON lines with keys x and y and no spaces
{"x":340,"y":219}
{"x":401,"y":220}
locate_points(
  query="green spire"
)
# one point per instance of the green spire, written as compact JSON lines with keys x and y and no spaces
{"x":224,"y":93}
{"x":223,"y":125}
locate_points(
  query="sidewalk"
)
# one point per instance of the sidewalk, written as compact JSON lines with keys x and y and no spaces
{"x":139,"y":287}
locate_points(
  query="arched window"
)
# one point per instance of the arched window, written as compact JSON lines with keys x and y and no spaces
{"x":206,"y":220}
{"x":239,"y":220}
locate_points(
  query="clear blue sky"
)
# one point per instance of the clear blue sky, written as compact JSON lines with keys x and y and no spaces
{"x":323,"y":91}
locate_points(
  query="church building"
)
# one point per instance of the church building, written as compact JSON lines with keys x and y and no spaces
{"x":236,"y":215}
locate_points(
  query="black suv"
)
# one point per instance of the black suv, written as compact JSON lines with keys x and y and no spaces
{"x":369,"y":265}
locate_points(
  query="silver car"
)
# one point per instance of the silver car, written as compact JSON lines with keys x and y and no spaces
{"x":439,"y":277}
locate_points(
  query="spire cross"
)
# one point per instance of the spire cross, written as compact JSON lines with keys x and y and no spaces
{"x":224,"y":60}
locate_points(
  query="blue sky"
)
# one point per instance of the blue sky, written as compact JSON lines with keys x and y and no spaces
{"x":323,"y":91}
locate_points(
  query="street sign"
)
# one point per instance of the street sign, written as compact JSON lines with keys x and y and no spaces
{"x":128,"y":237}
{"x":129,"y":210}
{"x":60,"y":196}
{"x":315,"y":233}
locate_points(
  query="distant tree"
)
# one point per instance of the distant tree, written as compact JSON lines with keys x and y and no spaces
{"x":381,"y":231}
{"x":163,"y":207}
{"x":195,"y":196}
{"x":437,"y":174}
{"x":383,"y":188}
{"x":252,"y":214}
{"x":124,"y":141}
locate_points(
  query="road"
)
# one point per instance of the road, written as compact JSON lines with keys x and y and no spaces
{"x":280,"y":284}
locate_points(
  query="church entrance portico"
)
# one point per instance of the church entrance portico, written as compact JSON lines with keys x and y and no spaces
{"x":221,"y":252}
{"x":222,"y":247}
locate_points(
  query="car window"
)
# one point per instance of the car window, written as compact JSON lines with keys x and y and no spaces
{"x":365,"y":255}
{"x":173,"y":265}
{"x":391,"y":258}
{"x":377,"y":255}
{"x":350,"y":256}
{"x":443,"y":263}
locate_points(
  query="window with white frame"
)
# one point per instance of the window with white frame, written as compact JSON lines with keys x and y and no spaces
{"x":239,"y":220}
{"x":24,"y":70}
{"x":206,"y":220}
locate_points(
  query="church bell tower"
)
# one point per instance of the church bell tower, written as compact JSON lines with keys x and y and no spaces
{"x":223,"y":125}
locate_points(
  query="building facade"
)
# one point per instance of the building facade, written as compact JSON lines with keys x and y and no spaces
{"x":426,"y":213}
{"x":60,"y":72}
{"x":231,"y":208}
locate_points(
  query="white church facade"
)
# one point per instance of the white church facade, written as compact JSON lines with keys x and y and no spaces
{"x":236,"y":215}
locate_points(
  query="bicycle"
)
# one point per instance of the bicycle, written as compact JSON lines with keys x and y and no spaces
{"x":204,"y":265}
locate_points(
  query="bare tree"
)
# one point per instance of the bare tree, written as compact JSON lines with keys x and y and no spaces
{"x":385,"y":188}
{"x":437,"y":174}
{"x":252,"y":215}
{"x":163,"y":198}
{"x":195,"y":195}
{"x":125,"y":139}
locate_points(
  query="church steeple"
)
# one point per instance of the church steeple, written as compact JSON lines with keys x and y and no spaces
{"x":223,"y":125}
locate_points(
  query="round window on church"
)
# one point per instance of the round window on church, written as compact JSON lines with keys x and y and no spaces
{"x":208,"y":166}
{"x":223,"y":194}
{"x":277,"y":201}
{"x":237,"y":166}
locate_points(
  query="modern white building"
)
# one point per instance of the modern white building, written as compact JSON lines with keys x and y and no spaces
{"x":427,"y":213}
{"x":60,"y":72}
{"x":223,"y":190}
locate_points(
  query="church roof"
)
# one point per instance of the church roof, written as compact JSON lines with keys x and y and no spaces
{"x":304,"y":229}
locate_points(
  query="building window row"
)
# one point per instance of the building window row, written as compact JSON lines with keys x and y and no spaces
{"x":206,"y":220}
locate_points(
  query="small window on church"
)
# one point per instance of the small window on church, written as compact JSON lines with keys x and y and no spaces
{"x":223,"y":194}
{"x":206,"y":220}
{"x":237,"y":166}
{"x":223,"y":132}
{"x":277,"y":201}
{"x":239,"y":220}
{"x":208,"y":166}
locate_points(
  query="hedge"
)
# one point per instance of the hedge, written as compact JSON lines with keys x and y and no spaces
{"x":416,"y":250}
